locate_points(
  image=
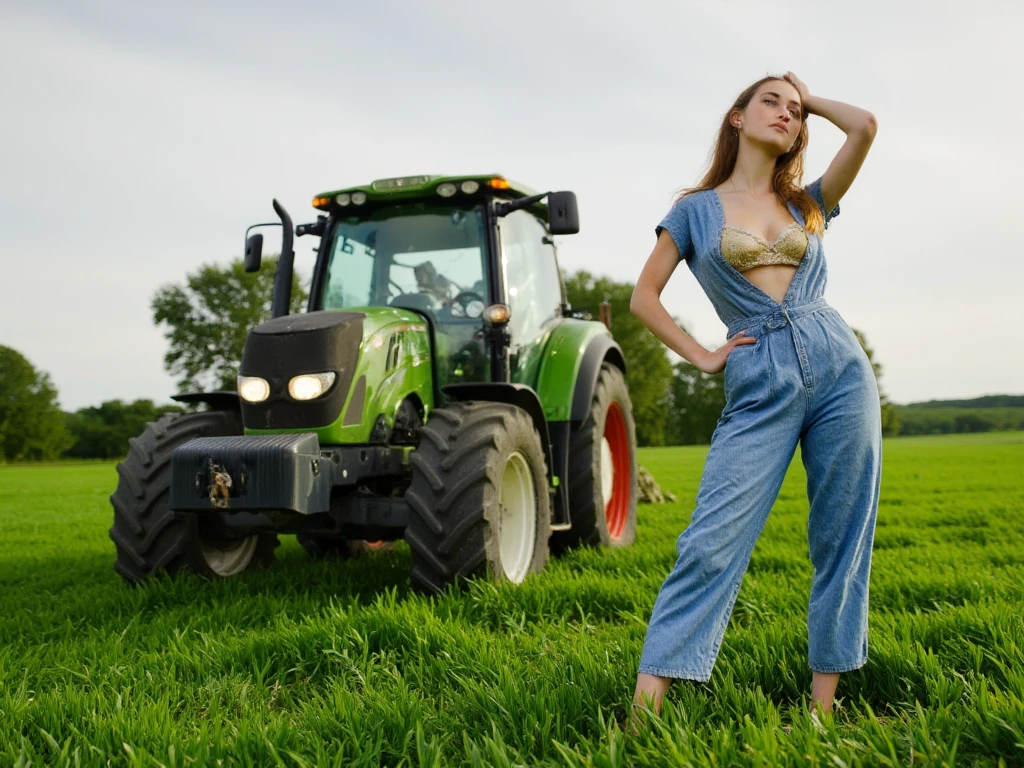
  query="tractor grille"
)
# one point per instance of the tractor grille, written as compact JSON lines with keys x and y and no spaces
{"x":287,"y":346}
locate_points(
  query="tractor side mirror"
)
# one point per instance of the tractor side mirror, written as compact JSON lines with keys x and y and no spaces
{"x":563,"y":213}
{"x":253,"y":252}
{"x":254,"y":245}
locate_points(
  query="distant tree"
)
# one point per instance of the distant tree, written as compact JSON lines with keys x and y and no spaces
{"x":648,"y":370}
{"x":103,"y":432}
{"x":696,"y":403}
{"x":890,"y":413}
{"x":208,"y":318}
{"x":31,"y":423}
{"x":971,"y":422}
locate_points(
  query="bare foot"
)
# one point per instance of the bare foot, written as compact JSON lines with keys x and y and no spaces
{"x":823,"y":690}
{"x":636,"y":719}
{"x":650,"y":691}
{"x":816,"y":707}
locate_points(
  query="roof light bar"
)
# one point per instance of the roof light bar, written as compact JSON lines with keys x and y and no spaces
{"x":403,"y":182}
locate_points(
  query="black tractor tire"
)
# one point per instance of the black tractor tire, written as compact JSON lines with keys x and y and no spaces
{"x":148,"y":536}
{"x":327,"y":546}
{"x":467,"y":452}
{"x":595,"y":520}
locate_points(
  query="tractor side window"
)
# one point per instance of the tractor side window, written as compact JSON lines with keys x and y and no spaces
{"x":534,"y":290}
{"x":351,"y":273}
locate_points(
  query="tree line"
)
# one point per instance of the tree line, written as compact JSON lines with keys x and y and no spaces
{"x":33,"y":427}
{"x":915,"y":420}
{"x":206,"y":320}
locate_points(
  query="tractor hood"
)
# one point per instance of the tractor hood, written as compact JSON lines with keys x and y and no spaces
{"x":315,"y":342}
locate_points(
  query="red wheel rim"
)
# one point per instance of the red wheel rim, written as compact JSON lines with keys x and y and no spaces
{"x":616,"y":509}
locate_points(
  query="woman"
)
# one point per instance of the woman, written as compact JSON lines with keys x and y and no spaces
{"x":794,"y":371}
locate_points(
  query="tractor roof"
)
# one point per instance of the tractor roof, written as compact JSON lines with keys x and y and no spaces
{"x":433,"y":188}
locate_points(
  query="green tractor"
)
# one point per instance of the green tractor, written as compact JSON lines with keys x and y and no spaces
{"x":439,"y":389}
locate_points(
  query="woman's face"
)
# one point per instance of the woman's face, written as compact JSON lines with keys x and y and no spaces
{"x":773,"y":116}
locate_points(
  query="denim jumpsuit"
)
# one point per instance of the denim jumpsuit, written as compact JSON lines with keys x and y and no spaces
{"x":808,"y":379}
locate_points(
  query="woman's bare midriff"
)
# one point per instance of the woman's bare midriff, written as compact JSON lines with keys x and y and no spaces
{"x":773,"y":279}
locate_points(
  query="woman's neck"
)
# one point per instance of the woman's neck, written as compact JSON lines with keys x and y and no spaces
{"x":753,"y":172}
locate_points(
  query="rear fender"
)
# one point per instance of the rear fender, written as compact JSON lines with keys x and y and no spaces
{"x":568,"y":376}
{"x":600,"y":350}
{"x":572,"y":362}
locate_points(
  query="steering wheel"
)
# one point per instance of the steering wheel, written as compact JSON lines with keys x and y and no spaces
{"x":461,"y":302}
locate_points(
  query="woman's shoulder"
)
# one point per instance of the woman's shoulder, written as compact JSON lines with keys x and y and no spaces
{"x":689,"y":221}
{"x":693,"y":206}
{"x":694,"y":198}
{"x":699,"y":209}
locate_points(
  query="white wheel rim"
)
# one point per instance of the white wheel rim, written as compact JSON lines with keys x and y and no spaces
{"x":231,"y":560}
{"x":518,"y":518}
{"x":607,"y":472}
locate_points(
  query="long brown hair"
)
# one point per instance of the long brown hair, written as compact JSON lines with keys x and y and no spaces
{"x":789,"y":166}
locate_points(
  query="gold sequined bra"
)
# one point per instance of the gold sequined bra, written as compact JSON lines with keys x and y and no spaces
{"x":745,"y":250}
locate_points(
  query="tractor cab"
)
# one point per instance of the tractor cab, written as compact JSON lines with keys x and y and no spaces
{"x":459,"y":251}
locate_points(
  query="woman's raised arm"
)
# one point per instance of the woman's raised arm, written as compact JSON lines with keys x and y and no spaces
{"x":858,"y":124}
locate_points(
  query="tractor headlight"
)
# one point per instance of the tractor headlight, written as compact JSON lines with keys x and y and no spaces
{"x":310,"y":386}
{"x":470,"y":187}
{"x":253,"y":389}
{"x":446,"y":190}
{"x":358,"y":198}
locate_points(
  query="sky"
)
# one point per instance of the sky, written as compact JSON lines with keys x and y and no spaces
{"x":139,"y":140}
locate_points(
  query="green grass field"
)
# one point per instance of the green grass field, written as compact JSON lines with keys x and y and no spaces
{"x":338,"y":663}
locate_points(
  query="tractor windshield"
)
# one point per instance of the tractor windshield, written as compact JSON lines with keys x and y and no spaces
{"x":426,"y":258}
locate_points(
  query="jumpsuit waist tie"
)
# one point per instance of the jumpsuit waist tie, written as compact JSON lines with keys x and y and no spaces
{"x":773,"y":321}
{"x":760,"y":325}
